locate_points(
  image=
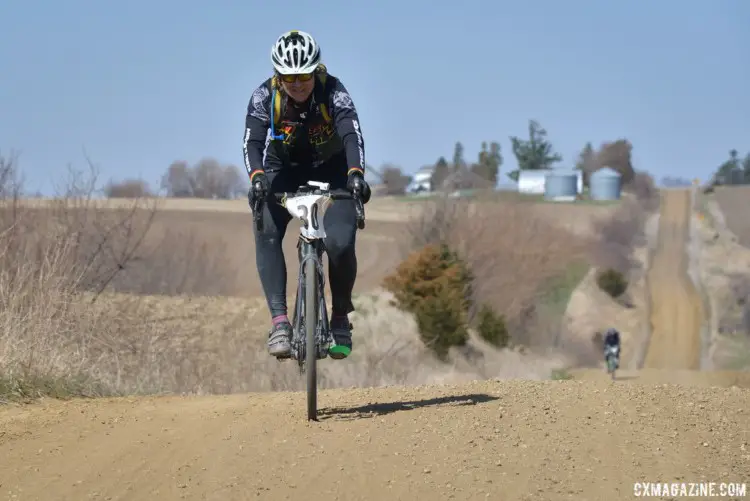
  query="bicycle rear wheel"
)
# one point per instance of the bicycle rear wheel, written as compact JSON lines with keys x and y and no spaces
{"x":311,"y":345}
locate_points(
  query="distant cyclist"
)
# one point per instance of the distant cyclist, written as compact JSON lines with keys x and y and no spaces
{"x":612,"y":345}
{"x":315,"y":136}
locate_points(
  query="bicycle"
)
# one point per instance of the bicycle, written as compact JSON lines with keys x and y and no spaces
{"x":612,"y":355}
{"x":311,"y":335}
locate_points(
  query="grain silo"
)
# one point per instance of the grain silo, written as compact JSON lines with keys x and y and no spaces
{"x":561,"y":186}
{"x":605,"y":184}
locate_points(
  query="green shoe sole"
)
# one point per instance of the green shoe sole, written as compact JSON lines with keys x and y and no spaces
{"x":338,"y":352}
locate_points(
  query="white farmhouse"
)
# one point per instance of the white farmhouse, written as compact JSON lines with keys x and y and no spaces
{"x":421,"y":180}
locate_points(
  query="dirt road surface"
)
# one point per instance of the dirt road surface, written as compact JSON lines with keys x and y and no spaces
{"x":519,"y":440}
{"x":676,"y":307}
{"x":515,"y":440}
{"x":705,"y":379}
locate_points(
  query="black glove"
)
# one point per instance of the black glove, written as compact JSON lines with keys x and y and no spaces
{"x":356,"y":181}
{"x":258,"y":189}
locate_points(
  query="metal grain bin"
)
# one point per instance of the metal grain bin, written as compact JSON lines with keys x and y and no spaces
{"x":605,"y":184}
{"x":561,"y":186}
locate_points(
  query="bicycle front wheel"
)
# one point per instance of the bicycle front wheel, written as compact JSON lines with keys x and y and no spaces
{"x":311,"y":345}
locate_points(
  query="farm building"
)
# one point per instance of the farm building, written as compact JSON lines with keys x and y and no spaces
{"x":422,"y":180}
{"x":531,"y":182}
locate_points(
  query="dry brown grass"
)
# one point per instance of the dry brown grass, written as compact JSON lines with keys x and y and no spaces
{"x":734,"y":202}
{"x":214,"y":345}
{"x":203,"y":345}
{"x":62,"y":335}
{"x":580,"y":219}
{"x":724,"y":266}
{"x":213,"y":252}
{"x":513,"y":251}
{"x":527,"y":265}
{"x":382,"y":208}
{"x":48,"y":342}
{"x":620,"y":234}
{"x":68,"y":329}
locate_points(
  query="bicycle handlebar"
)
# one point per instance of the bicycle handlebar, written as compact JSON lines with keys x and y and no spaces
{"x":337,"y":194}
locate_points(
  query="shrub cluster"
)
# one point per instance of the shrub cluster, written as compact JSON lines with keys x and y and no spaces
{"x":435,"y":284}
{"x":612,"y":282}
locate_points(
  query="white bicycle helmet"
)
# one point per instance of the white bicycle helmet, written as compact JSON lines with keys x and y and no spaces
{"x":295,"y":52}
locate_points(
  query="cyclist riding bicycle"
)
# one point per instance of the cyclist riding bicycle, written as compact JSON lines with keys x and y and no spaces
{"x":315,"y":135}
{"x":612,"y":345}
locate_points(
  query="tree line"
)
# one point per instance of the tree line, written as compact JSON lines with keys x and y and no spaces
{"x":210,"y":179}
{"x":734,"y":170}
{"x":533,"y":152}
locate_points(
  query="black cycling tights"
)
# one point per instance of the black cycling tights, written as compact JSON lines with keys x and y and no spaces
{"x":341,"y":228}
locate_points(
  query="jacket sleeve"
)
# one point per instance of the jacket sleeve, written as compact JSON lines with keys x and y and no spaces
{"x":346,"y":121}
{"x":257,"y":123}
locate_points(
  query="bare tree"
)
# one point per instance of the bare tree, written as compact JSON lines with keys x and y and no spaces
{"x":208,"y":176}
{"x":207,"y":179}
{"x":129,"y":188}
{"x":237,"y":184}
{"x":617,"y":156}
{"x":394,"y":179}
{"x":178,"y":181}
{"x":586,"y":162}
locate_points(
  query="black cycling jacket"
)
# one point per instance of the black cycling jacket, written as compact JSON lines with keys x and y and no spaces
{"x":310,"y":141}
{"x":612,"y":339}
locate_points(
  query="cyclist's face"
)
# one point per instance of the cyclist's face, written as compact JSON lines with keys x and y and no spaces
{"x":298,"y":89}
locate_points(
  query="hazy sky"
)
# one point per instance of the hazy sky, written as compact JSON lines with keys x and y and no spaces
{"x":140,"y":84}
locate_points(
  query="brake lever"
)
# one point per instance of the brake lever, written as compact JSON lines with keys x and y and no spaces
{"x":258,"y":208}
{"x":258,"y":214}
{"x":360,"y":207}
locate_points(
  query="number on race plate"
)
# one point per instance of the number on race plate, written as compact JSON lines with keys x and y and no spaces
{"x":303,"y":217}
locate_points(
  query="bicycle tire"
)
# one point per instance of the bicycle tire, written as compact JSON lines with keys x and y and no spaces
{"x":611,"y":366}
{"x":311,"y":345}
